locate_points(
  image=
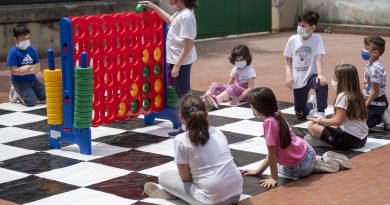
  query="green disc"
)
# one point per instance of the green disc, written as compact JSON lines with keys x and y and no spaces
{"x":83,"y":114}
{"x":79,"y":70}
{"x":83,"y":76}
{"x":134,"y":106}
{"x":84,"y":81}
{"x":146,"y":71}
{"x":82,"y":125}
{"x":86,"y":98}
{"x":82,"y":103}
{"x":157,"y":69}
{"x":83,"y":92}
{"x":146,"y":104}
{"x":139,"y":8}
{"x":83,"y":109}
{"x":146,"y":87}
{"x":84,"y":87}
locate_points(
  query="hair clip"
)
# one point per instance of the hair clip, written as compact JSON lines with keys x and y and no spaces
{"x":194,"y":109}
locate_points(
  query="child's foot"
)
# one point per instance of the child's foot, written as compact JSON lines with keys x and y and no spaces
{"x":176,"y":132}
{"x":313,"y":100}
{"x":315,"y":141}
{"x":157,"y":191}
{"x":340,"y":158}
{"x":212,"y":100}
{"x":327,"y":167}
{"x":13,"y":96}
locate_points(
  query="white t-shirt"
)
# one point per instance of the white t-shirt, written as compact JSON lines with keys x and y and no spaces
{"x":375,"y":73}
{"x":212,"y":167}
{"x":303,"y":54}
{"x":241,"y":76}
{"x":183,"y":26}
{"x":357,"y":128}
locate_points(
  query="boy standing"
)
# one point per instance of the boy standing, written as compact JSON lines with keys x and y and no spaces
{"x":374,"y":79}
{"x":23,"y":60}
{"x":304,"y":52}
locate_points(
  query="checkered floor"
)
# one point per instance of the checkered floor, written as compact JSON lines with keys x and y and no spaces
{"x":125,"y":156}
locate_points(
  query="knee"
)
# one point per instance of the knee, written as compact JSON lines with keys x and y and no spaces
{"x":311,"y":127}
{"x":30,"y":103}
{"x":164,"y":177}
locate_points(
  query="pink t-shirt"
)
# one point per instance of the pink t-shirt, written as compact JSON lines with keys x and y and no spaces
{"x":294,"y":153}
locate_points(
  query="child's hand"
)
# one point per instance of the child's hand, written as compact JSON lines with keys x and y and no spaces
{"x":289,"y":81}
{"x":148,"y":4}
{"x":175,"y":71}
{"x":249,"y":172}
{"x":322,"y":80}
{"x":268,"y":183}
{"x":314,"y":119}
{"x":235,"y":101}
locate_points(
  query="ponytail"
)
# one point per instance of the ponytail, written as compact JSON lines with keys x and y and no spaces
{"x":284,"y":132}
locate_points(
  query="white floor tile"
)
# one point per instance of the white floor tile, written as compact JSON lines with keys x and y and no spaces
{"x":9,"y":134}
{"x":155,"y":171}
{"x":328,"y":111}
{"x":256,"y":145}
{"x":101,"y":131}
{"x":7,"y":175}
{"x":9,"y":152}
{"x":228,"y":104}
{"x":164,"y":201}
{"x":165,"y":147}
{"x":84,"y":174}
{"x":246,"y":127}
{"x":143,"y":116}
{"x":161,"y":129}
{"x":18,"y":118}
{"x":303,"y":125}
{"x":373,"y":144}
{"x":19,"y":107}
{"x":99,"y":150}
{"x":234,"y":112}
{"x":83,"y":196}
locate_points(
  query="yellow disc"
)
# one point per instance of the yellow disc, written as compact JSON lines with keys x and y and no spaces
{"x":51,"y":100}
{"x":54,"y":95}
{"x":157,"y":85}
{"x":55,"y":122}
{"x":122,"y":109}
{"x":52,"y":73}
{"x":54,"y":111}
{"x":52,"y":79}
{"x":52,"y":105}
{"x":53,"y":89}
{"x":134,"y":90}
{"x":157,"y":101}
{"x":157,"y":54}
{"x":53,"y":84}
{"x":55,"y":116}
{"x":145,"y":56}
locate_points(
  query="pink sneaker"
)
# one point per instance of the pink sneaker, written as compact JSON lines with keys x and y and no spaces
{"x":212,"y":100}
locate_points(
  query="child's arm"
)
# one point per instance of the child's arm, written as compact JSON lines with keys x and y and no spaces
{"x":163,"y":15}
{"x":26,"y":69}
{"x":263,"y":166}
{"x":336,"y":120}
{"x":184,"y":172}
{"x":251,"y":86}
{"x":373,"y":94}
{"x":320,"y":77}
{"x":231,"y":81}
{"x":271,"y":182}
{"x":289,"y":78}
{"x":188,"y":44}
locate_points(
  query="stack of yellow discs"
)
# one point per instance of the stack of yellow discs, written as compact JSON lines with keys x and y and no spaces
{"x":53,"y":85}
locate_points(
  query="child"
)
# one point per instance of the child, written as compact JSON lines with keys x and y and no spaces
{"x":181,"y":52}
{"x":374,"y":79}
{"x":242,"y":80}
{"x":350,"y":114}
{"x":206,"y":172}
{"x":304,"y":52}
{"x":23,"y":60}
{"x":296,"y":158}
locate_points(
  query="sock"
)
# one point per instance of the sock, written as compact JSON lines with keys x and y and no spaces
{"x":219,"y":99}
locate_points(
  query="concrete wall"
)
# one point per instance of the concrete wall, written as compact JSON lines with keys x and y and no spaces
{"x":284,"y":14}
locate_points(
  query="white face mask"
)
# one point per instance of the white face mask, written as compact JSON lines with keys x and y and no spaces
{"x":302,"y":31}
{"x":334,"y":84}
{"x":23,"y":45}
{"x":240,"y":64}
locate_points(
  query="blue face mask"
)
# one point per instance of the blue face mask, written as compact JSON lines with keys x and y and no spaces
{"x":366,"y":55}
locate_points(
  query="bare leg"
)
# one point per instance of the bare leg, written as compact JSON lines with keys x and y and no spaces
{"x":222,"y":96}
{"x":315,"y":129}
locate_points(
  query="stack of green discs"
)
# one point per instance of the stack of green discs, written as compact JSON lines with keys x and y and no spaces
{"x":173,"y":98}
{"x":83,"y":97}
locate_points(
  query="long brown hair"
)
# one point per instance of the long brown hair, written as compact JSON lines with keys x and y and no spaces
{"x":193,"y":112}
{"x":263,"y":100}
{"x":348,"y":82}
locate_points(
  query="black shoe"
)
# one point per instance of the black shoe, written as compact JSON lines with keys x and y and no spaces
{"x":176,"y":132}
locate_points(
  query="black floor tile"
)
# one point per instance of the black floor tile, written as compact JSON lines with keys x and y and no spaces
{"x":41,"y":126}
{"x":242,"y":158}
{"x":39,"y":143}
{"x":32,"y":188}
{"x":38,"y":162}
{"x":217,"y":121}
{"x":236,"y":137}
{"x":131,"y":139}
{"x":41,"y":112}
{"x":4,"y":112}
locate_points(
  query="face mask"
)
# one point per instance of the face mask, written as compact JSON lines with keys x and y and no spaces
{"x":302,"y":31}
{"x":23,"y":45}
{"x":334,"y":84}
{"x":240,"y":64}
{"x":366,"y":55}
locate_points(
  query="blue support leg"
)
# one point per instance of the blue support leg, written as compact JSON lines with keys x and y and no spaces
{"x":169,"y":113}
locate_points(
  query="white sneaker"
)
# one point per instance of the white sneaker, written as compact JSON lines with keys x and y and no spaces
{"x":154,"y":190}
{"x":13,"y":96}
{"x":313,"y":111}
{"x":319,"y":115}
{"x":327,"y":167}
{"x":340,"y":158}
{"x":315,"y":141}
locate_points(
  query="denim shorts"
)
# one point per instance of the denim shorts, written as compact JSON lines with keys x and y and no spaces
{"x":303,"y":168}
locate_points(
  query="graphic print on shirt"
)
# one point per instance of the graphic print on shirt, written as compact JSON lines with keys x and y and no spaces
{"x":27,"y":60}
{"x":304,"y":63}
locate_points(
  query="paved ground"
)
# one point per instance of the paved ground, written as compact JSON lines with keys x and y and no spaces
{"x":269,"y":64}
